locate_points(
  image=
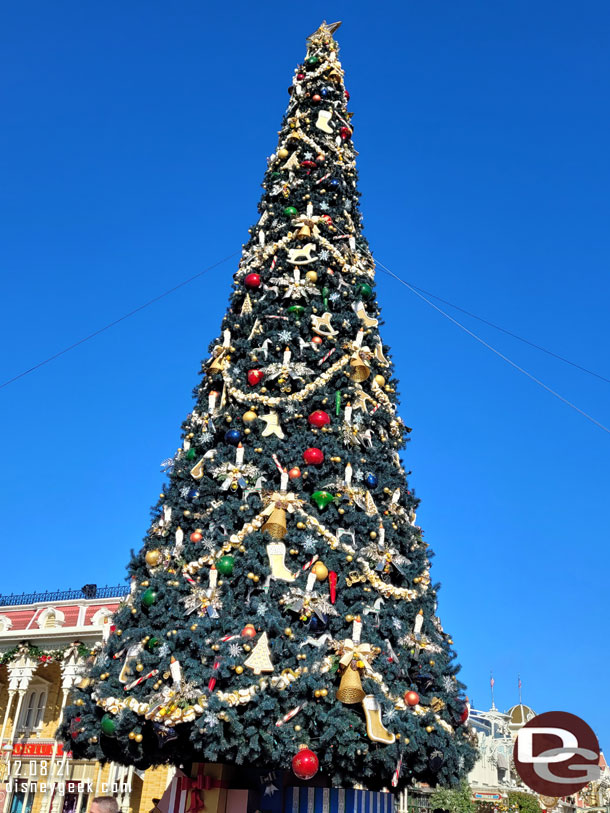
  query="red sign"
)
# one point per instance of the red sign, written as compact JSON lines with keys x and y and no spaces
{"x":37,"y":749}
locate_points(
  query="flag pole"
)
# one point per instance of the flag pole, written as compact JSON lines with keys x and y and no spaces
{"x":491,"y":683}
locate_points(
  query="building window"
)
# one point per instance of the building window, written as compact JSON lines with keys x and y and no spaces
{"x":32,"y":711}
{"x":5,"y":623}
{"x":75,"y":803}
{"x":51,"y":618}
{"x":17,"y":802}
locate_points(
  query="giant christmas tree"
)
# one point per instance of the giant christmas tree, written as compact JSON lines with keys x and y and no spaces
{"x":282,"y":597}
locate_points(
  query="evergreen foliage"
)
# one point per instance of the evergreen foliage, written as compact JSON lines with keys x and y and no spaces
{"x":453,"y":800}
{"x":283,"y":596}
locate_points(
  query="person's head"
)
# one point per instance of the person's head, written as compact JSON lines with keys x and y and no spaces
{"x":104,"y":804}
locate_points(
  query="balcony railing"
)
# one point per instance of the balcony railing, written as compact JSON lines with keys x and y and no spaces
{"x":93,"y":592}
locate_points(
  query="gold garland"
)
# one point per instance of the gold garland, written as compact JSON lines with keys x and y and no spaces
{"x":276,"y":400}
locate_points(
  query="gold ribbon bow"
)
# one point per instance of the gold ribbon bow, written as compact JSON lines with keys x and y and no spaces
{"x":360,"y":652}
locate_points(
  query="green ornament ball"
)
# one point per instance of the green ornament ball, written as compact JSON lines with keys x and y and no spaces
{"x":312,"y":60}
{"x":148,"y":597}
{"x":191,"y":454}
{"x":108,"y":725}
{"x":322,"y":499}
{"x":225,"y":565}
{"x":152,"y":643}
{"x":290,"y":211}
{"x":365,"y":290}
{"x":298,"y":310}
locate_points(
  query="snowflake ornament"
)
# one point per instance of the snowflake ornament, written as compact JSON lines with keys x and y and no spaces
{"x":324,"y":254}
{"x":184,"y":492}
{"x":210,"y":719}
{"x":449,"y":684}
{"x":235,"y":650}
{"x":284,"y":335}
{"x":309,"y":544}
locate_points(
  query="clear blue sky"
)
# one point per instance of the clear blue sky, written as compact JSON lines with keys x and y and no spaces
{"x":132,"y":147}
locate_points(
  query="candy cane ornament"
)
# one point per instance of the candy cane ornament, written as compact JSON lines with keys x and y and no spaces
{"x":141,"y":680}
{"x":292,"y":713}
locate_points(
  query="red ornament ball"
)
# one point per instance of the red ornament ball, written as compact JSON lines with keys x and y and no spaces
{"x":346,"y":94}
{"x":300,"y":76}
{"x":294,"y":473}
{"x":465,"y":713}
{"x":316,"y":98}
{"x":252,"y":280}
{"x":255,"y":377}
{"x":316,"y":340}
{"x":249,"y":631}
{"x":196,"y":536}
{"x":313,"y":456}
{"x":319,"y":418}
{"x":345,"y":133}
{"x":305,"y":764}
{"x":411,"y":698}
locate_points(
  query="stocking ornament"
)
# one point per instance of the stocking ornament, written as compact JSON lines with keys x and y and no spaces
{"x":276,"y":551}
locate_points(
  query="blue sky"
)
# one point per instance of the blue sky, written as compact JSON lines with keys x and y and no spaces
{"x":132,"y":147}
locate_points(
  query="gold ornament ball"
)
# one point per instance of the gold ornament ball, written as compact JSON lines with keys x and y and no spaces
{"x":139,"y":667}
{"x":283,"y":153}
{"x":247,"y":647}
{"x":300,"y":526}
{"x":379,"y":379}
{"x":193,"y":627}
{"x":297,"y":728}
{"x":373,"y":534}
{"x":153,"y":557}
{"x":138,"y":738}
{"x":349,"y":618}
{"x":288,"y":632}
{"x":323,"y":692}
{"x":239,"y":670}
{"x":132,"y":735}
{"x":311,"y":276}
{"x":249,"y":416}
{"x":320,"y":570}
{"x":342,"y":510}
{"x":349,"y":558}
{"x":429,"y":729}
